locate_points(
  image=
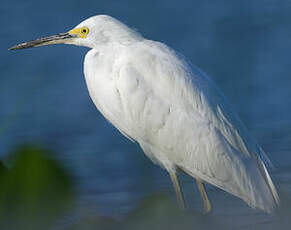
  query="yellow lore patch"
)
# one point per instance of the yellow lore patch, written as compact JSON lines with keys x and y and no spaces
{"x":80,"y":32}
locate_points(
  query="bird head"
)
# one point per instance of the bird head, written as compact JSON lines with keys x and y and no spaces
{"x":93,"y":32}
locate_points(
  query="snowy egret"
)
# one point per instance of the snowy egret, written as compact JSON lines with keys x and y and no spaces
{"x":171,"y":109}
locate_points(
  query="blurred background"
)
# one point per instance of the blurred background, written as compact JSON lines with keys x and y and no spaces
{"x":243,"y":45}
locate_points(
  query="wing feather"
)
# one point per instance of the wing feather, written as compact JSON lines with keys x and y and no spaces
{"x":182,"y":120}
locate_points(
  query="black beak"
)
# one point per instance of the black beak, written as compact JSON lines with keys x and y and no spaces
{"x":55,"y":39}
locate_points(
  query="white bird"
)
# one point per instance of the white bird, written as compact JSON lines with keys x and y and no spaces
{"x":171,"y":109}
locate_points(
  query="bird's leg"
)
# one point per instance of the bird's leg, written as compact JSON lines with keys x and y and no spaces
{"x":203,"y":193}
{"x":178,"y":190}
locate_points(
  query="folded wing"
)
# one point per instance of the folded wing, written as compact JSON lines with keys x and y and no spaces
{"x":181,"y":120}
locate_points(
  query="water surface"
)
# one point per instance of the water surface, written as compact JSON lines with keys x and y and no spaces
{"x":243,"y":45}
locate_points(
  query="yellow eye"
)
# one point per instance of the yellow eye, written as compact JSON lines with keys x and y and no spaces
{"x":80,"y":32}
{"x":84,"y":30}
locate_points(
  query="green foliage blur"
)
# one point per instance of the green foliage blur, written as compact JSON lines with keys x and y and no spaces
{"x":34,"y":190}
{"x":156,"y":212}
{"x":159,"y":212}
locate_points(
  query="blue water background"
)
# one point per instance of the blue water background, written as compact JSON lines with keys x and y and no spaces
{"x":244,"y":46}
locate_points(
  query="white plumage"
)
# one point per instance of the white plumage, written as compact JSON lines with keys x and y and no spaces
{"x":176,"y":114}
